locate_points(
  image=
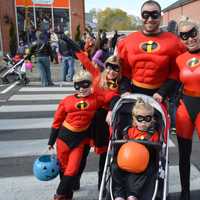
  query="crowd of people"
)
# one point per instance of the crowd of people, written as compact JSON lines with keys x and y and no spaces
{"x":149,"y":61}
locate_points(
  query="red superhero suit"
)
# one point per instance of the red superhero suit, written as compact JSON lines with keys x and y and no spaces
{"x":149,"y":61}
{"x":71,"y":130}
{"x":189,"y":108}
{"x":134,"y":133}
{"x":188,"y":114}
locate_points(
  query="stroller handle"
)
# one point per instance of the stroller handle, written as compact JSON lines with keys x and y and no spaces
{"x":145,"y":142}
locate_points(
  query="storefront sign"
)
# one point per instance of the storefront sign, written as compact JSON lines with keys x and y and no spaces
{"x":42,"y":1}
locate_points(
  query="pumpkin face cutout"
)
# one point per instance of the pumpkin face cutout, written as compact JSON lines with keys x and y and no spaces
{"x":133,"y":157}
{"x":46,"y":167}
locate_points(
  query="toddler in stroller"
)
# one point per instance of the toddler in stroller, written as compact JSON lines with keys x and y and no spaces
{"x":137,"y":159}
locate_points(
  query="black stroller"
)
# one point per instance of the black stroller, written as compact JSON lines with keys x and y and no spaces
{"x":157,"y":187}
{"x":14,"y":72}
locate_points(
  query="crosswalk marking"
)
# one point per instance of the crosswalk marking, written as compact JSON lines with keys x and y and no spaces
{"x":14,"y":124}
{"x":28,"y":108}
{"x":37,"y":97}
{"x":47,"y":89}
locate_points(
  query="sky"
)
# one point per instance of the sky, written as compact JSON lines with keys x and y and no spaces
{"x":132,"y":7}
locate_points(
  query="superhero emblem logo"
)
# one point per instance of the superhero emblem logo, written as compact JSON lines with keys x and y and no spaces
{"x":112,"y":84}
{"x":150,"y":46}
{"x":193,"y":62}
{"x":82,"y":105}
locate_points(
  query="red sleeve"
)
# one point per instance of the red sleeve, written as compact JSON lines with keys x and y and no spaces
{"x":122,"y":54}
{"x":88,"y":64}
{"x":155,"y":137}
{"x":59,"y":115}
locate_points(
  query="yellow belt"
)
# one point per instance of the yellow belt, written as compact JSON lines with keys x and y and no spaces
{"x":146,"y":86}
{"x":71,"y":128}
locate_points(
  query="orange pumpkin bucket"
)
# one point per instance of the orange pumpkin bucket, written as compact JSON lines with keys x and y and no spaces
{"x":133,"y":157}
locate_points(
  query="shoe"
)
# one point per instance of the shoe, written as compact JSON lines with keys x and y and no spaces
{"x":173,"y":131}
{"x":51,"y":84}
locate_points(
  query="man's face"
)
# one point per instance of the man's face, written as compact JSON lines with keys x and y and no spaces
{"x":151,"y":17}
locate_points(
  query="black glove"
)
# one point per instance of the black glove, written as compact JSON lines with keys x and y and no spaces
{"x":72,"y":45}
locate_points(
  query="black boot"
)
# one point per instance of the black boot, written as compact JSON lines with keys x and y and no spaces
{"x":65,"y":187}
{"x":185,"y":148}
{"x":76,"y":185}
{"x":185,"y":195}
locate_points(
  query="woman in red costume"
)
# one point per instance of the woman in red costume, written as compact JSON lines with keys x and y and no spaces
{"x":71,"y":131}
{"x":105,"y":84}
{"x":188,"y":116}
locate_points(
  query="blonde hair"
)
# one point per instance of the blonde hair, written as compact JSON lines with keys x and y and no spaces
{"x":186,"y":21}
{"x":142,"y":105}
{"x":82,"y":75}
{"x":112,"y":60}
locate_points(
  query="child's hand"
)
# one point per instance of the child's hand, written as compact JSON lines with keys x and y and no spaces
{"x":108,"y":118}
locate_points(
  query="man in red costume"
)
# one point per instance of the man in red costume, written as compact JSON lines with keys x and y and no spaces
{"x":148,"y":56}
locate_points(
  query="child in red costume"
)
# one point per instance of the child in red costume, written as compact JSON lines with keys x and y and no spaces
{"x":71,"y":131}
{"x":188,"y":112}
{"x":105,"y":84}
{"x":126,"y":185}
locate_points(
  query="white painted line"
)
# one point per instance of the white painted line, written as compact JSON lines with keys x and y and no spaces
{"x":23,"y":148}
{"x":174,"y":180}
{"x":28,"y":108}
{"x":18,"y":148}
{"x":57,"y":83}
{"x":28,"y":187}
{"x":37,"y":97}
{"x":16,"y":124}
{"x":47,"y":89}
{"x":10,"y":87}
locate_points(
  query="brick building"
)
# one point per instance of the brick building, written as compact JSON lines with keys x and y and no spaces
{"x":62,"y":14}
{"x":180,"y":8}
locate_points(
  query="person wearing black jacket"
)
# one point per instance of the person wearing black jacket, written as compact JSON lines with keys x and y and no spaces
{"x":67,"y":71}
{"x":42,"y":50}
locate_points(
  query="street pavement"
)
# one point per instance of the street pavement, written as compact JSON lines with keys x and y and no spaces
{"x":26,"y":114}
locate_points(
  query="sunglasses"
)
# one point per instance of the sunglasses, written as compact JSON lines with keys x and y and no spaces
{"x":147,"y":118}
{"x":82,"y":84}
{"x":190,"y":34}
{"x":114,"y":67}
{"x":153,"y":14}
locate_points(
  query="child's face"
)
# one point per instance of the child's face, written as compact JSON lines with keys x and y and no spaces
{"x":83,"y":88}
{"x":143,"y":120}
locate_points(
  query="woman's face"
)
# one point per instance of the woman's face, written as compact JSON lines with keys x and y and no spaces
{"x":111,"y":74}
{"x":189,"y":35}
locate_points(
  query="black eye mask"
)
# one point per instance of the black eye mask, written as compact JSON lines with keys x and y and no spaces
{"x":153,"y":14}
{"x":114,"y":67}
{"x":141,"y":118}
{"x":186,"y":35}
{"x":82,"y":84}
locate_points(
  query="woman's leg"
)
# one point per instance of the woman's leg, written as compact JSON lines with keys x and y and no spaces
{"x":185,"y":128}
{"x":64,"y":68}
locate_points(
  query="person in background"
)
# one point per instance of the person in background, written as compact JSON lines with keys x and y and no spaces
{"x":101,"y":54}
{"x":188,"y":111}
{"x":54,"y":45}
{"x":42,"y":51}
{"x":68,"y":61}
